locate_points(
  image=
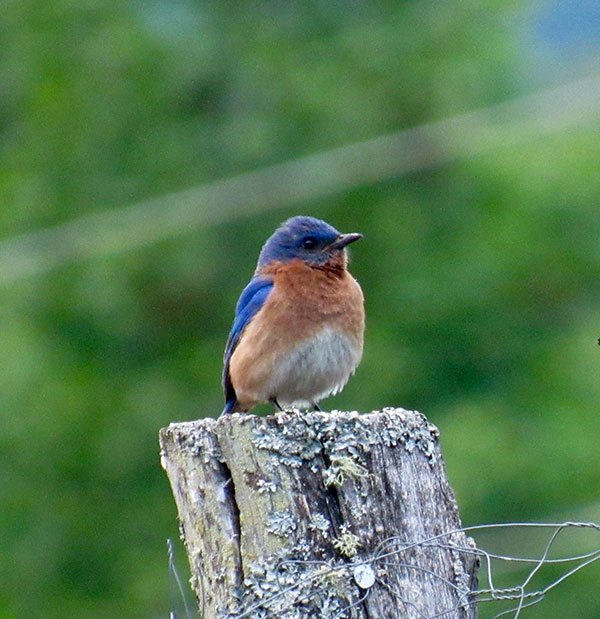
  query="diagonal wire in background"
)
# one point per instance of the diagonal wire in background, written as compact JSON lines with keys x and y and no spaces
{"x":316,"y":176}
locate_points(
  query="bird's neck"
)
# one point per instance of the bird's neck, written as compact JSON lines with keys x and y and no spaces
{"x":334,"y":267}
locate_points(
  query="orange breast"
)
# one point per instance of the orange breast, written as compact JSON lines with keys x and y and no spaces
{"x":303,"y":302}
{"x":304,"y":299}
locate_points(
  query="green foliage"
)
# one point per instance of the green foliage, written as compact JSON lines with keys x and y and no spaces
{"x":481,"y":276}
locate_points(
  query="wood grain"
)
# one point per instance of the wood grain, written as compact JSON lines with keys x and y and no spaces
{"x":319,"y":515}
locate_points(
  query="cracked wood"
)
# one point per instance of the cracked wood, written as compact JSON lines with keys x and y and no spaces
{"x":319,"y":514}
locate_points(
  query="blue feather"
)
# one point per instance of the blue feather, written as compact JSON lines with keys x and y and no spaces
{"x":251,"y":300}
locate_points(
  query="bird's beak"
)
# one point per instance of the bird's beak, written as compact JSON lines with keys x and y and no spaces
{"x":345,"y":239}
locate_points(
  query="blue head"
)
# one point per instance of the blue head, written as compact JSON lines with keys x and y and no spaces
{"x":307,"y":238}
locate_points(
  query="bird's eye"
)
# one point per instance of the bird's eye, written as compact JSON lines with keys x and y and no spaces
{"x":309,"y":243}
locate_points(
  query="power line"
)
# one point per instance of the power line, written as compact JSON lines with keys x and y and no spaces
{"x":309,"y":178}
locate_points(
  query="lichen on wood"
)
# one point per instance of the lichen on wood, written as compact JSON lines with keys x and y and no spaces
{"x":319,"y":514}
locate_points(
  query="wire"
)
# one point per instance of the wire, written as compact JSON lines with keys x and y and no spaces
{"x":175,"y":585}
{"x":309,"y":579}
{"x":309,"y":178}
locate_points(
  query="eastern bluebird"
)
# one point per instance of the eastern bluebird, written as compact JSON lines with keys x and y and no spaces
{"x":297,"y":335}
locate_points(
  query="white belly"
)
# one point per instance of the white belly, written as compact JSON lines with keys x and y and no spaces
{"x":314,"y":369}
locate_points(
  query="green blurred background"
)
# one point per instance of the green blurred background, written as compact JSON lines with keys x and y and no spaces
{"x":480,"y":267}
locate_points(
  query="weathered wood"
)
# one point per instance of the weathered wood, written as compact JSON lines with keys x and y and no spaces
{"x":319,"y":515}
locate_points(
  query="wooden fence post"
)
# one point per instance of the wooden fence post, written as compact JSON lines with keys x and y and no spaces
{"x":331,"y":515}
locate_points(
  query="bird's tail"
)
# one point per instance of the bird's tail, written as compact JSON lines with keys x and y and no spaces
{"x":230,"y":406}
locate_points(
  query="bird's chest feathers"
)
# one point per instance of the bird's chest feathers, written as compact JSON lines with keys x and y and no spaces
{"x":305,"y":300}
{"x":305,"y":341}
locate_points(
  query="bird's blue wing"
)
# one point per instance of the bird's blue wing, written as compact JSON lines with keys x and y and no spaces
{"x":251,"y":300}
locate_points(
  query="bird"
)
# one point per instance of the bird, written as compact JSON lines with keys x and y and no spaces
{"x":297,"y":335}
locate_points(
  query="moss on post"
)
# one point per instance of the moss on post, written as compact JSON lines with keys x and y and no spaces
{"x":319,"y":515}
